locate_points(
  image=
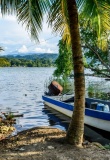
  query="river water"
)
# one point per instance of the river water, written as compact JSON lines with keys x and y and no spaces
{"x":21,"y":90}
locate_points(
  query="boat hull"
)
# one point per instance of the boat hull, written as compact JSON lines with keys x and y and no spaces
{"x":94,"y":118}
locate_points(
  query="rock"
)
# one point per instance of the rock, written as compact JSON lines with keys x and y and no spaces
{"x":4,"y":129}
{"x":11,"y":128}
{"x":21,"y":149}
{"x":50,"y":147}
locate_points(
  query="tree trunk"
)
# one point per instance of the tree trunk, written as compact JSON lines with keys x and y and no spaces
{"x":76,"y":128}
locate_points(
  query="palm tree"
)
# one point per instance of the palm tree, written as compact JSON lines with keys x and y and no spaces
{"x":97,"y":10}
{"x":30,"y":13}
{"x":76,"y":127}
{"x":66,"y":12}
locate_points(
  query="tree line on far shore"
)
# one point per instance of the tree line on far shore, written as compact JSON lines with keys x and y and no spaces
{"x":15,"y":62}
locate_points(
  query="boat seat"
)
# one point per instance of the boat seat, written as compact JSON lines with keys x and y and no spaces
{"x":100,"y":107}
{"x":69,"y":100}
{"x":103,"y":107}
{"x":106,"y":108}
{"x":93,"y":105}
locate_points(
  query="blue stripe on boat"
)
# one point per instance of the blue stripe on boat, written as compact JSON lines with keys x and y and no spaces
{"x":58,"y":103}
{"x":97,"y":114}
{"x":88,"y":112}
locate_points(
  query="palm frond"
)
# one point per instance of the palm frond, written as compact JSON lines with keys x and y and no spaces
{"x":58,"y":19}
{"x":28,"y":12}
{"x":10,"y":6}
{"x":98,"y":11}
{"x":1,"y":49}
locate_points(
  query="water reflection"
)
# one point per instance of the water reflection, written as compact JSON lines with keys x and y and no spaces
{"x":90,"y":133}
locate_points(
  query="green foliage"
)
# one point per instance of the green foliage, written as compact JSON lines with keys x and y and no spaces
{"x":9,"y":116}
{"x":66,"y":83}
{"x":4,"y":62}
{"x":96,"y":54}
{"x":97,"y":13}
{"x":64,"y":60}
{"x":107,"y":146}
{"x":64,"y":64}
{"x":31,"y":63}
{"x":94,"y":90}
{"x":90,"y":91}
{"x":15,"y":62}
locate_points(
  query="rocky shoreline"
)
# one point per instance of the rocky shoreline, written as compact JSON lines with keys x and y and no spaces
{"x":6,"y":125}
{"x":45,"y":143}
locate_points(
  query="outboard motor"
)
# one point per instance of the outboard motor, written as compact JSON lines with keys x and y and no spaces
{"x":55,"y":88}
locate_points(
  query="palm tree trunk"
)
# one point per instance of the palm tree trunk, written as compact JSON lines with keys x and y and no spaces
{"x":76,"y":128}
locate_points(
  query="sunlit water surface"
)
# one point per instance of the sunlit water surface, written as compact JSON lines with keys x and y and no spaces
{"x":21,"y":90}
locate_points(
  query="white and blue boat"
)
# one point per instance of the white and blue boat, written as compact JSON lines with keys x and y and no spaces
{"x":97,"y":112}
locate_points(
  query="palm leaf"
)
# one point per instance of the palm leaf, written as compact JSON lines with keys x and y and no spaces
{"x":10,"y":6}
{"x":58,"y":18}
{"x":1,"y":49}
{"x":98,"y":12}
{"x":28,"y":12}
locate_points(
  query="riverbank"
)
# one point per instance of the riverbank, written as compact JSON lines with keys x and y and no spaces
{"x":45,"y":143}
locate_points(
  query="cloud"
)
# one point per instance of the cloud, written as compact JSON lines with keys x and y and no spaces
{"x":43,"y":50}
{"x":8,"y":42}
{"x":40,"y":50}
{"x":43,"y":42}
{"x":50,"y":51}
{"x":8,"y":18}
{"x":23,"y":49}
{"x":14,"y":35}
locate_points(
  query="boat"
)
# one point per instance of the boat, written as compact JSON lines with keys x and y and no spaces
{"x":97,"y":112}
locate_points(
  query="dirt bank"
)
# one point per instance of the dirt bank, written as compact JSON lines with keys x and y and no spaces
{"x":45,"y":143}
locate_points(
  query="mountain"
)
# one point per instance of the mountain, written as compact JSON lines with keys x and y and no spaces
{"x":33,"y":56}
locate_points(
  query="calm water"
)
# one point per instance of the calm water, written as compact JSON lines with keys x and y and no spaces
{"x":21,"y":90}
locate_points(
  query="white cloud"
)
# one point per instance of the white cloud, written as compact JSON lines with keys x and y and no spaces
{"x":40,"y":50}
{"x":50,"y":51}
{"x":6,"y":48}
{"x":9,"y":42}
{"x":13,"y":35}
{"x":23,"y":49}
{"x":43,"y":50}
{"x":8,"y":18}
{"x":43,"y":42}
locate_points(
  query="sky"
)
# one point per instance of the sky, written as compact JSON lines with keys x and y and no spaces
{"x":15,"y":38}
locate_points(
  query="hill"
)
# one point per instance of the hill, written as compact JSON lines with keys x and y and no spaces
{"x":30,"y":60}
{"x":31,"y":56}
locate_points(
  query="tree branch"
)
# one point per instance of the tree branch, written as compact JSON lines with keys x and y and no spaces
{"x":97,"y":70}
{"x":97,"y":54}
